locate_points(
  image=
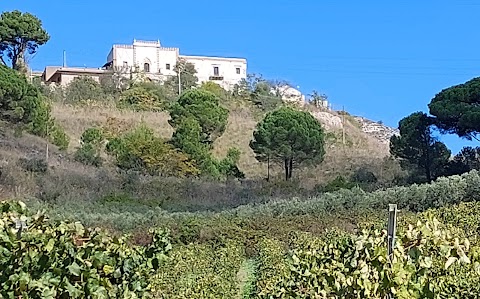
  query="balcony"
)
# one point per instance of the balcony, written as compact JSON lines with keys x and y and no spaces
{"x":216,"y":78}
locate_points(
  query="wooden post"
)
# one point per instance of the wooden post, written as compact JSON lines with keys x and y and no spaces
{"x":391,"y":231}
{"x":392,"y":228}
{"x":19,"y":225}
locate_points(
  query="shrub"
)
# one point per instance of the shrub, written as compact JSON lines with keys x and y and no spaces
{"x":21,"y":103}
{"x":141,"y":150}
{"x":18,"y":98}
{"x":215,"y":89}
{"x":340,"y":182}
{"x":363,"y":175}
{"x":83,"y":89}
{"x":87,"y":154}
{"x":141,"y":98}
{"x":59,"y":137}
{"x":92,"y":136}
{"x":228,"y":166}
{"x":52,"y":259}
{"x":428,"y":261}
{"x":37,"y":165}
{"x":92,"y":144}
{"x":200,"y":271}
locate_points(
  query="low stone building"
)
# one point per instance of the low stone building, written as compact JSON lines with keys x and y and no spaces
{"x":64,"y":75}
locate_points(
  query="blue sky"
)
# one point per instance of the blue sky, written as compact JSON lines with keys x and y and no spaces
{"x":380,"y":59}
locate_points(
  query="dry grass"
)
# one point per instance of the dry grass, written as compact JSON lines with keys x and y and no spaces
{"x":360,"y":149}
{"x":239,"y":132}
{"x":75,"y":120}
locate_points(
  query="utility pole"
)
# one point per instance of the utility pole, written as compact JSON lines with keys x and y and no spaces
{"x":343,"y":125}
{"x":46,"y":138}
{"x":179,"y":83}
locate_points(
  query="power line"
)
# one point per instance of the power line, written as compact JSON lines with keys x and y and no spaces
{"x":400,"y":72}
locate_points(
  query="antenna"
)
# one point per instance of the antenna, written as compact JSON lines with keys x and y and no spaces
{"x":64,"y":58}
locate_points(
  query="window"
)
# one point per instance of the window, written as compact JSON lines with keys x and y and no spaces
{"x":125,"y":64}
{"x":146,"y":67}
{"x":167,"y":66}
{"x":216,"y":71}
{"x":238,"y":70}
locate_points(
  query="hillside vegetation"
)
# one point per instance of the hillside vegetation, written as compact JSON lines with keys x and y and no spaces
{"x":288,"y":249}
{"x":127,"y":188}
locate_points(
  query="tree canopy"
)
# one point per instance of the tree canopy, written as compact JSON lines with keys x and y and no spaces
{"x":457,"y":109}
{"x":289,"y":136}
{"x":416,"y":147}
{"x":204,"y":107}
{"x":22,"y":103}
{"x":188,"y":76}
{"x":259,"y":91}
{"x":466,"y":160}
{"x":20,"y":34}
{"x":19,"y":101}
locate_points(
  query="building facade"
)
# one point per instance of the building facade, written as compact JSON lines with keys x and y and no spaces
{"x":64,"y":75}
{"x":158,"y":63}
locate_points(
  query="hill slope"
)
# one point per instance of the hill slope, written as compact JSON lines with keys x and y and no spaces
{"x":363,"y":145}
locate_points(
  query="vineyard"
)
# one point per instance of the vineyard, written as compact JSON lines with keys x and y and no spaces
{"x":310,"y":248}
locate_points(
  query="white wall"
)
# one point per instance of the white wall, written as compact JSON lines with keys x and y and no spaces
{"x":158,"y":57}
{"x":122,"y":53}
{"x":226,"y":67}
{"x":146,"y":52}
{"x":167,"y":56}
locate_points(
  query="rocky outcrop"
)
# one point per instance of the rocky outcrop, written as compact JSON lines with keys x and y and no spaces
{"x":329,"y":120}
{"x":376,"y":129}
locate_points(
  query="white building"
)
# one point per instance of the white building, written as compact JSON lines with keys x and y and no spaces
{"x":158,"y":63}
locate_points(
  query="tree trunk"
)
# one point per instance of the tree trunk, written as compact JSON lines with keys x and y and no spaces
{"x":428,"y":172}
{"x":290,"y":168}
{"x":268,"y":169}
{"x":287,"y":172}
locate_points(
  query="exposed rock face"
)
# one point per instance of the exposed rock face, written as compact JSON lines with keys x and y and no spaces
{"x":377,"y":130}
{"x":329,"y":120}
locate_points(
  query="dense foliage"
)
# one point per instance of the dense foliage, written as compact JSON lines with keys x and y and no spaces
{"x":21,"y":103}
{"x":48,"y":259}
{"x":431,"y":258}
{"x":289,"y":136}
{"x":418,"y":149}
{"x":214,"y":88}
{"x":200,"y":271}
{"x":84,"y":89}
{"x":466,"y":160}
{"x":427,"y":262}
{"x":259,"y":91}
{"x":140,"y":150}
{"x":204,"y":107}
{"x":457,"y":109}
{"x":144,"y":96}
{"x":20,"y":34}
{"x":92,"y":143}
